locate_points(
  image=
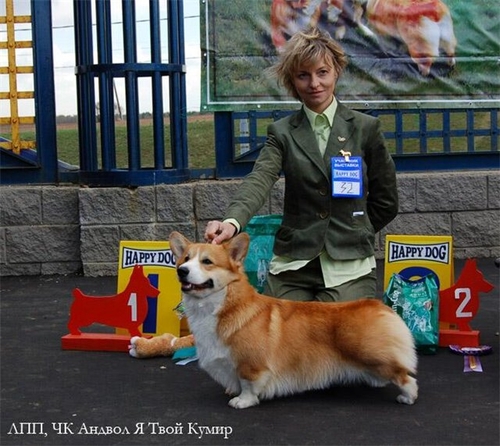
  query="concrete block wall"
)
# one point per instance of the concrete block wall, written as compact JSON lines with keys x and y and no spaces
{"x":39,"y":230}
{"x":70,"y":229}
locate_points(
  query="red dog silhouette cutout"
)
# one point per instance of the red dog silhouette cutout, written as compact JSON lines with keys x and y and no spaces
{"x":127,"y":309}
{"x":459,"y":304}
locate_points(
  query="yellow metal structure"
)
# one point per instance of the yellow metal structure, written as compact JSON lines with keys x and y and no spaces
{"x":14,"y":121}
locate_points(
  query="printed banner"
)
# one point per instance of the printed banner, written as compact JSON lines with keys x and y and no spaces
{"x":416,"y":256}
{"x":159,"y":266}
{"x":402,"y":53}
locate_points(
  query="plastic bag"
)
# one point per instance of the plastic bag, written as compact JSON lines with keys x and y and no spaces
{"x":417,"y":302}
{"x":261,"y":230}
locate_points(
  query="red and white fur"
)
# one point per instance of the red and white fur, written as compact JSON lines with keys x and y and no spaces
{"x":259,"y":347}
{"x":425,"y":26}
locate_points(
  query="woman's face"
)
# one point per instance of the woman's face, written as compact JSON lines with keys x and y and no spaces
{"x":315,"y":84}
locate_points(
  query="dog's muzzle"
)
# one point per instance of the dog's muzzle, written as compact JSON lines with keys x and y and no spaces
{"x":183,"y":273}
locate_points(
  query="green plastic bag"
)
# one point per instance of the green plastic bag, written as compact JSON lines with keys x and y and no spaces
{"x":261,"y":230}
{"x":417,"y":302}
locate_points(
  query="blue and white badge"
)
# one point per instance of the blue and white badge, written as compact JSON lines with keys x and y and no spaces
{"x":347,"y":176}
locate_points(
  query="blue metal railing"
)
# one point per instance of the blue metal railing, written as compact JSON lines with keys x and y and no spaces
{"x":106,"y":71}
{"x":459,"y":143}
{"x":464,"y":139}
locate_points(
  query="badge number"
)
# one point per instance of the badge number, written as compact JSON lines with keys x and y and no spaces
{"x":347,"y":177}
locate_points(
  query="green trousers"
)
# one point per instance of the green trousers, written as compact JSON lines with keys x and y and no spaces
{"x":306,"y":284}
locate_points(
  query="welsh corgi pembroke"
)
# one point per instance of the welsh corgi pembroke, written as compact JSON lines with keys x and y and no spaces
{"x":260,"y":347}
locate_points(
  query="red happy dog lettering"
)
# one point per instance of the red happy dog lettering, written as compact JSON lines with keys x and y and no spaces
{"x":127,"y":309}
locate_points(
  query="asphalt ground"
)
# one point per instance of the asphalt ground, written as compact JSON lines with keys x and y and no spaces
{"x":51,"y":396}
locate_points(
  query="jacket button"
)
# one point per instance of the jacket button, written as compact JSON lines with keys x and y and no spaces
{"x":322,"y":191}
{"x":323,"y":215}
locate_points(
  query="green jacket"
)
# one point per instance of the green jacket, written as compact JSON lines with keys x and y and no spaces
{"x":312,"y":219}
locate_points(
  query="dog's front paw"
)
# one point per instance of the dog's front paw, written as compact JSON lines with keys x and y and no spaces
{"x":242,"y":402}
{"x":134,"y":347}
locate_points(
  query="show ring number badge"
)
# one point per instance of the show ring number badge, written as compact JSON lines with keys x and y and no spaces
{"x":347,"y":176}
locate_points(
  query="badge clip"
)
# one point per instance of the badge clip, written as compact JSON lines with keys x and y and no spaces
{"x":346,"y":155}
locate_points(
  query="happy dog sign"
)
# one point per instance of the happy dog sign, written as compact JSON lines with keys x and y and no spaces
{"x":158,"y":263}
{"x":416,"y":256}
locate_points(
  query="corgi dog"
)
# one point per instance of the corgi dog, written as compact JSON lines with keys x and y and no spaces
{"x":260,"y":347}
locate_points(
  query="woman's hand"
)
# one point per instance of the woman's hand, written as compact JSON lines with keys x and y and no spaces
{"x":217,"y":231}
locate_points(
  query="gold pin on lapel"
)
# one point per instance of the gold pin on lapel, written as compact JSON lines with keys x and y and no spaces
{"x":341,"y":138}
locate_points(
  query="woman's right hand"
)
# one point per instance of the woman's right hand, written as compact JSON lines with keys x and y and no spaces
{"x":218,"y":231}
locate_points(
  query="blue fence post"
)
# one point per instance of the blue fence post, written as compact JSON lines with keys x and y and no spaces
{"x":45,"y":109}
{"x":224,"y":144}
{"x":131,"y":85}
{"x":178,"y":107}
{"x":494,"y":130}
{"x":85,"y":85}
{"x":106,"y":85}
{"x":156,"y":85}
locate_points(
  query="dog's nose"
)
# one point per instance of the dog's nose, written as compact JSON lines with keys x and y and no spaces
{"x":182,"y":272}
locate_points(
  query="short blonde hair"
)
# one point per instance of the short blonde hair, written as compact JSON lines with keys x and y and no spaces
{"x":303,"y":48}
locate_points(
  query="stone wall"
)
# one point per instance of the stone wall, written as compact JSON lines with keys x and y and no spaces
{"x":68,"y":229}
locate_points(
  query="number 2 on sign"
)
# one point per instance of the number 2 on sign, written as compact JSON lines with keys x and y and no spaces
{"x":465,"y":294}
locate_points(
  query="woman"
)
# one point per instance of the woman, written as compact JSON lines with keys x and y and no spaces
{"x":324,"y":249}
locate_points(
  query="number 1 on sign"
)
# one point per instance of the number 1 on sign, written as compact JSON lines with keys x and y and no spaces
{"x":132,"y":303}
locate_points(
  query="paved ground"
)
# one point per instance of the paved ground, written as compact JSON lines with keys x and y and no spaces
{"x":55,"y":397}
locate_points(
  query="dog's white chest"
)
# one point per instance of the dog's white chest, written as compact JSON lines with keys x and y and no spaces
{"x":214,"y":356}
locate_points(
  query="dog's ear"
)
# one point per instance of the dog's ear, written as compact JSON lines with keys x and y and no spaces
{"x":238,"y":246}
{"x":178,"y":243}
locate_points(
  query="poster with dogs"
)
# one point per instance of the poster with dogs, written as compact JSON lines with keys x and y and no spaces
{"x":428,"y":52}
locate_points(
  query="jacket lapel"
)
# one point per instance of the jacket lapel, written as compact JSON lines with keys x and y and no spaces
{"x":305,"y":139}
{"x":342,"y":130}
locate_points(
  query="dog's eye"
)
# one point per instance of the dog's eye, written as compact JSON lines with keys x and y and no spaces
{"x":186,"y":258}
{"x":206,"y":262}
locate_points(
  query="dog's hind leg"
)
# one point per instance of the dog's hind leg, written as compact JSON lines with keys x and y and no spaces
{"x":374,"y":381}
{"x":399,"y":376}
{"x":409,"y":390}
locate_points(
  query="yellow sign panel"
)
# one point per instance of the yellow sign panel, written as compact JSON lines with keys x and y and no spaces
{"x":415,"y":256}
{"x":159,"y":266}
